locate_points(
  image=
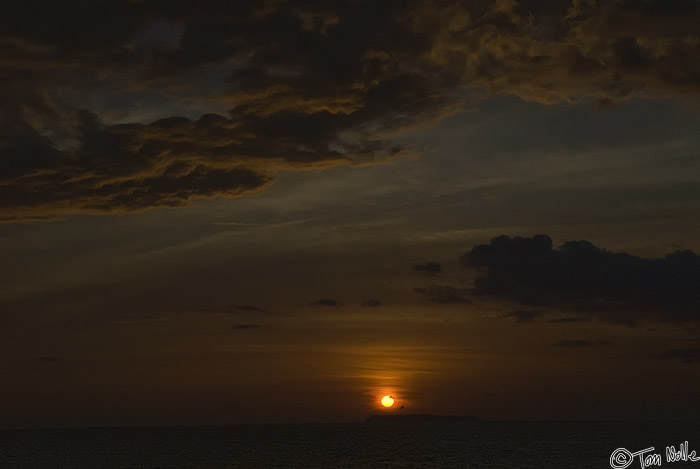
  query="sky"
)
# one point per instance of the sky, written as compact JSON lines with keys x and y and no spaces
{"x":254,"y":212}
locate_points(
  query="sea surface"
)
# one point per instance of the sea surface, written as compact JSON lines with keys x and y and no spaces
{"x":351,"y":445}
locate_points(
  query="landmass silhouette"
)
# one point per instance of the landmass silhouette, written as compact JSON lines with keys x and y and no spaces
{"x":420,"y":418}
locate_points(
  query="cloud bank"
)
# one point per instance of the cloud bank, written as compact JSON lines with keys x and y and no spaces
{"x":301,"y":86}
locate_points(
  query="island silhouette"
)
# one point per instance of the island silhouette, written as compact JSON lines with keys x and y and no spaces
{"x":420,"y":418}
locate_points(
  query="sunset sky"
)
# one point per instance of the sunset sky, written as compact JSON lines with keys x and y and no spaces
{"x":271,"y":211}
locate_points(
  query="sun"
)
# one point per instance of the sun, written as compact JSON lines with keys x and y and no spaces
{"x":387,"y":401}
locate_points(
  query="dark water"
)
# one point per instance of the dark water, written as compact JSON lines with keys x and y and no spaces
{"x":473,"y":445}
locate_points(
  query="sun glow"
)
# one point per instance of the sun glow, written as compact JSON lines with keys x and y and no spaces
{"x":387,"y":401}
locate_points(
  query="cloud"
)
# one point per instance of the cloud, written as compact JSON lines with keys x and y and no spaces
{"x":616,"y":287}
{"x":325,"y":302}
{"x":524,"y":315}
{"x":233,"y":309}
{"x":248,"y":309}
{"x":686,"y":355}
{"x":566,"y":320}
{"x":428,"y":267}
{"x":246,"y":326}
{"x":564,"y":51}
{"x":289,"y":86}
{"x":167,"y":163}
{"x":303,"y":91}
{"x":372,"y":303}
{"x":445,"y":294}
{"x":15,"y":219}
{"x":573,"y":343}
{"x":577,"y":343}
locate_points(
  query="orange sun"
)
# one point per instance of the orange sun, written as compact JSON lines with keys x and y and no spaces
{"x":387,"y":401}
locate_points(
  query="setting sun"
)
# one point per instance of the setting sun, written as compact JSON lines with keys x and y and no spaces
{"x":387,"y":401}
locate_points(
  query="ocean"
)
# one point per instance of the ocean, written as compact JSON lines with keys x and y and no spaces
{"x":353,"y":445}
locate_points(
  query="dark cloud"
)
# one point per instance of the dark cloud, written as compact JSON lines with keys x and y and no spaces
{"x":573,"y":343}
{"x":524,"y":315}
{"x":304,"y":89}
{"x":566,"y":320}
{"x":686,"y":355}
{"x":617,"y":287}
{"x":445,"y":294}
{"x":325,"y":302}
{"x":15,"y":219}
{"x":428,"y":267}
{"x":565,"y":51}
{"x":246,"y":326}
{"x":248,"y":309}
{"x":308,"y":85}
{"x":133,"y":167}
{"x":372,"y":303}
{"x":233,"y":309}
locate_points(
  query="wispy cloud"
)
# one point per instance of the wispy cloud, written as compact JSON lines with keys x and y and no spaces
{"x":428,"y":267}
{"x":246,"y":326}
{"x":445,"y":294}
{"x":325,"y":302}
{"x":524,"y":315}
